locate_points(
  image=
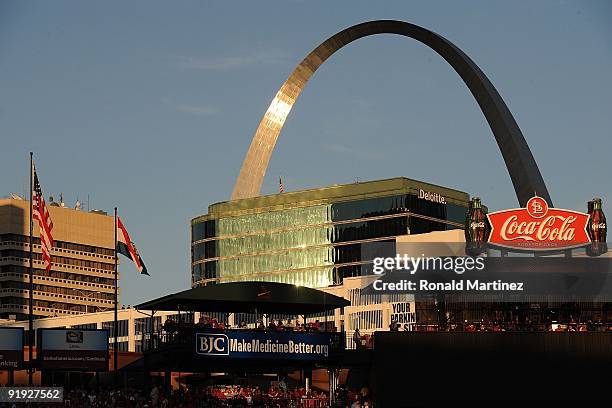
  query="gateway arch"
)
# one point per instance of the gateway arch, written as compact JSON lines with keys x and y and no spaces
{"x":519,"y":161}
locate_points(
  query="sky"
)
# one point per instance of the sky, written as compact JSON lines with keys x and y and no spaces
{"x":150,"y":106}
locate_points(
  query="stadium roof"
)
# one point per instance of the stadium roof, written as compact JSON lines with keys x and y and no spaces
{"x":248,"y":297}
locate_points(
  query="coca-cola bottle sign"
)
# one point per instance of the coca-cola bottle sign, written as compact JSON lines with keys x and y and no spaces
{"x":538,"y":227}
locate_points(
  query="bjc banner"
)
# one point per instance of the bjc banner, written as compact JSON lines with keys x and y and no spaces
{"x":538,"y":227}
{"x":11,"y":348}
{"x":266,"y":345}
{"x":73,"y":349}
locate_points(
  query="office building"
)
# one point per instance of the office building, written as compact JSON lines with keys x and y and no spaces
{"x":316,"y":237}
{"x":81,"y":279}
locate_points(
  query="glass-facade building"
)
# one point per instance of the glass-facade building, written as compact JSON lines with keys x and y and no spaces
{"x":315,"y":237}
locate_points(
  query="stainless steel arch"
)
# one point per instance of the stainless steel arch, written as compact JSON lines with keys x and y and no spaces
{"x":520,"y":163}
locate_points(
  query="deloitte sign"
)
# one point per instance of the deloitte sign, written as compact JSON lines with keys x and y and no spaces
{"x":267,"y":345}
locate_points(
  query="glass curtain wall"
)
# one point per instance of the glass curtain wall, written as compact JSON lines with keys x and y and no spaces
{"x":313,"y":246}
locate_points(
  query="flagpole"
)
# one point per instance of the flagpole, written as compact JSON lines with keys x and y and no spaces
{"x":31,"y":284}
{"x":115,"y":324}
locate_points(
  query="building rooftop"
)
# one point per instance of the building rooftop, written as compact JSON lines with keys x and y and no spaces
{"x":69,"y":225}
{"x":331,"y":194}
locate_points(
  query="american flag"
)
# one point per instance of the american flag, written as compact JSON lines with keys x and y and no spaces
{"x":40,"y":212}
{"x":280,"y":185}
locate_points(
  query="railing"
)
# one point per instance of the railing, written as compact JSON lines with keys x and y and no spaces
{"x":366,"y":339}
{"x":183,"y":334}
{"x":361,"y":342}
{"x":293,"y":402}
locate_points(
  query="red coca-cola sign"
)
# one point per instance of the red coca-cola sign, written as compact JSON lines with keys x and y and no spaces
{"x":538,"y":227}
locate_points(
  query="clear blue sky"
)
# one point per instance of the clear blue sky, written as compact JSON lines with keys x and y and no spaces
{"x":151,"y":105}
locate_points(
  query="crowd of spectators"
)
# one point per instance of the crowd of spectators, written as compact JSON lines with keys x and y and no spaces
{"x":504,"y":326}
{"x":229,"y":396}
{"x":275,"y":396}
{"x":93,"y":398}
{"x":366,"y":341}
{"x":510,"y":325}
{"x":274,"y":325}
{"x":347,"y":398}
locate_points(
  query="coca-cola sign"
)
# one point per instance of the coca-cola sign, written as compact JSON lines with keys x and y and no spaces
{"x":538,"y":227}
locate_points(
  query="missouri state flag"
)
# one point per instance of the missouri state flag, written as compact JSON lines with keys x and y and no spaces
{"x":126,"y":247}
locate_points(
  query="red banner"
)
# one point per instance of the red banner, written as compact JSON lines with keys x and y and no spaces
{"x":538,"y":227}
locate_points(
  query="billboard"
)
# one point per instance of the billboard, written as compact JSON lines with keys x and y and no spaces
{"x":404,"y":315}
{"x":267,"y":345}
{"x":73,"y":349}
{"x":538,"y":227}
{"x":11,"y":348}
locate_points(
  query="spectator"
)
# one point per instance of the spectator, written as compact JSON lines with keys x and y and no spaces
{"x":357,"y":338}
{"x":272,"y":325}
{"x":279,"y":326}
{"x":169,"y":326}
{"x":154,"y":396}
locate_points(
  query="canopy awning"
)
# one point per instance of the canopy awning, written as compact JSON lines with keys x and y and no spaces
{"x":248,"y":297}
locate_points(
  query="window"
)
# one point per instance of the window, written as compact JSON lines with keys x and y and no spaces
{"x":85,"y":326}
{"x":58,"y":244}
{"x":143,"y":325}
{"x":59,"y":259}
{"x":121,"y":345}
{"x":123,"y":328}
